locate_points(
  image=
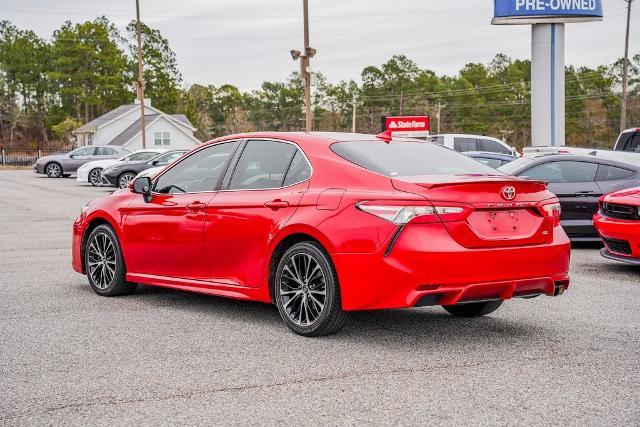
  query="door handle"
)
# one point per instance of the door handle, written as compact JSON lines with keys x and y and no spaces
{"x":276,"y":204}
{"x":585,"y":194}
{"x":195,"y":207}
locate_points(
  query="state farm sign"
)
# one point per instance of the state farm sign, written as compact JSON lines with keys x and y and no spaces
{"x":408,"y":125}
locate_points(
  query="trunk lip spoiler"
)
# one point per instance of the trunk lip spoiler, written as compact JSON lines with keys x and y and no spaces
{"x":463,"y":180}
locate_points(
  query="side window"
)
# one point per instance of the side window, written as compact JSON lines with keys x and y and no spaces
{"x":201,"y":171}
{"x":612,"y":173}
{"x":87,"y":151}
{"x":563,"y":171}
{"x":105,"y":151}
{"x":299,"y":170}
{"x":263,"y":164}
{"x":465,"y":144}
{"x":492,"y":146}
{"x":141,"y":157}
{"x":167,"y":158}
{"x":634,"y":143}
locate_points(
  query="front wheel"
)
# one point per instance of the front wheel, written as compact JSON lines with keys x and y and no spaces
{"x":474,"y":309}
{"x":307,"y":292}
{"x":104,"y":263}
{"x":125,"y":179}
{"x":53,"y":170}
{"x":95,"y":177}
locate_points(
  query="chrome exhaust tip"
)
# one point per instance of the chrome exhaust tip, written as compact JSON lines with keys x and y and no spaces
{"x":559,"y":290}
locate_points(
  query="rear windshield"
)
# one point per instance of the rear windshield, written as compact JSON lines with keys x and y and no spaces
{"x":400,"y":158}
{"x":515,"y":166}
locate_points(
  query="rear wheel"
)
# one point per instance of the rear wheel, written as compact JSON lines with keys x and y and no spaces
{"x":125,"y":179}
{"x":95,"y":177}
{"x":307,"y":292}
{"x":475,"y":309}
{"x":53,"y":170}
{"x":104,"y":263}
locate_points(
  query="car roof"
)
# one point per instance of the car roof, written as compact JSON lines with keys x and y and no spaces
{"x":578,"y":158}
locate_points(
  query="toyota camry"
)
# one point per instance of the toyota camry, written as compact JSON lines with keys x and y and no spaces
{"x":323,"y":224}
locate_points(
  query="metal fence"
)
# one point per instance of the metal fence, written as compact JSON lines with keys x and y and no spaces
{"x":24,"y":157}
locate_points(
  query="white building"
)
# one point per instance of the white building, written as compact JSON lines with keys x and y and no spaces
{"x":122,"y":127}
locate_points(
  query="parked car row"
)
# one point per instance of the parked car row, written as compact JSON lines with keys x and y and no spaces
{"x":105,"y":166}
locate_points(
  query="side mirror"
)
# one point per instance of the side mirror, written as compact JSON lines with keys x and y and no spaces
{"x":142,"y":185}
{"x":154,"y":163}
{"x":72,"y":156}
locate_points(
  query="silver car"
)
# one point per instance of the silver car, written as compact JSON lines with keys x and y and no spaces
{"x":65,"y":164}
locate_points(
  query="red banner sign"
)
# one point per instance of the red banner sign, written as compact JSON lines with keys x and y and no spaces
{"x":404,"y":124}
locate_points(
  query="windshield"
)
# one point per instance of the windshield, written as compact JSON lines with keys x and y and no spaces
{"x":167,"y":157}
{"x":516,"y":165}
{"x":404,"y":158}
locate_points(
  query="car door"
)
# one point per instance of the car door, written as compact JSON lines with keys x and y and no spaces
{"x":165,"y":235}
{"x":574,"y":182}
{"x":77,"y":158}
{"x":260,"y":196}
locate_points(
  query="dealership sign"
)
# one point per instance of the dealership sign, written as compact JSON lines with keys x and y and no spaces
{"x":411,"y":126}
{"x":546,"y":11}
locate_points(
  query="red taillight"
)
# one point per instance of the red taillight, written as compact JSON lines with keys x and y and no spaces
{"x":552,"y":210}
{"x":402,"y":214}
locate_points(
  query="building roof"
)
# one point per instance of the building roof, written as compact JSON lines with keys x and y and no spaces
{"x":126,"y":135}
{"x":105,"y":118}
{"x":182,"y":119}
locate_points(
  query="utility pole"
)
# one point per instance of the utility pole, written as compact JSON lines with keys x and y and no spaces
{"x":305,"y":69}
{"x":140,"y":77}
{"x":305,"y":64}
{"x":354,"y":105}
{"x":439,"y":106}
{"x":625,"y":72}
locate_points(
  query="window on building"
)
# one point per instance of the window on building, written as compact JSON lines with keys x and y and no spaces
{"x":162,"y":138}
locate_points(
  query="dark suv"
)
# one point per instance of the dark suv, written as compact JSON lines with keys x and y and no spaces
{"x":629,"y":140}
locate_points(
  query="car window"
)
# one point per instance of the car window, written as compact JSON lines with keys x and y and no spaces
{"x":105,"y":151}
{"x":403,"y":158}
{"x":141,"y":157}
{"x":87,"y":151}
{"x":492,"y":146}
{"x":612,"y":173}
{"x":563,"y":171}
{"x":201,"y":171}
{"x":634,"y":143}
{"x":299,"y":171}
{"x":167,"y":158}
{"x":262,"y":165}
{"x":465,"y":144}
{"x":494,"y":163}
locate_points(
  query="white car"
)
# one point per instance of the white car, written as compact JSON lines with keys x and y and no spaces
{"x":92,"y":172}
{"x":464,"y":142}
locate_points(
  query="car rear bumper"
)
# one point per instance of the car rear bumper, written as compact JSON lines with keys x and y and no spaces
{"x":621,"y":238}
{"x":427,"y":267}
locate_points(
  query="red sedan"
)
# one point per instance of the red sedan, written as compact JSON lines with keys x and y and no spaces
{"x":323,"y":224}
{"x":618,"y":222}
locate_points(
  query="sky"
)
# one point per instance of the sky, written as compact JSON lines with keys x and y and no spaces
{"x":246,"y":42}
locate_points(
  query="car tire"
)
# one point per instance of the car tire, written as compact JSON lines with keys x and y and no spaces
{"x":95,"y":177}
{"x":307,"y":292}
{"x":475,"y":309}
{"x":53,"y":170}
{"x":125,"y":178}
{"x":104,"y":263}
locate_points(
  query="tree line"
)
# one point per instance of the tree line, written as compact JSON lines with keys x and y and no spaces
{"x":50,"y":87}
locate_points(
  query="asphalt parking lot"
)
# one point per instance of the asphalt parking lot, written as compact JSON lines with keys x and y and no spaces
{"x":159,"y":356}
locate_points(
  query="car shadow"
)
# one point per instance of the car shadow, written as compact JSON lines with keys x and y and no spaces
{"x":426,"y":325}
{"x":586,"y":245}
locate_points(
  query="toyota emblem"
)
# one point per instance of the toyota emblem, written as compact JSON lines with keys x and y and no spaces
{"x":509,"y":193}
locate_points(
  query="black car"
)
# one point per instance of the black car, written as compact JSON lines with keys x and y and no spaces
{"x":494,"y":160}
{"x":120,"y":175}
{"x":578,"y":181}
